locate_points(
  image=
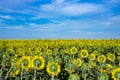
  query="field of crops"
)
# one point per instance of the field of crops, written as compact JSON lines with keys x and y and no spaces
{"x":60,"y":59}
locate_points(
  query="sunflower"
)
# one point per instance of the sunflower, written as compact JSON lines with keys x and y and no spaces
{"x":118,"y":58}
{"x":73,"y":50}
{"x":70,"y":70}
{"x":84,"y":53}
{"x":49,"y":52}
{"x":14,"y":71}
{"x":101,"y":58}
{"x":116,"y":74}
{"x":77,"y":62}
{"x":92,"y":56}
{"x":70,"y":67}
{"x":102,"y":76}
{"x":118,"y":53}
{"x":91,"y":64}
{"x":53,"y":68}
{"x":109,"y":66}
{"x":38,"y":62}
{"x":15,"y":68}
{"x":74,"y":77}
{"x":40,"y":53}
{"x":25,"y":62}
{"x":45,"y":45}
{"x":102,"y":70}
{"x":95,"y":52}
{"x":67,"y":51}
{"x":110,"y":57}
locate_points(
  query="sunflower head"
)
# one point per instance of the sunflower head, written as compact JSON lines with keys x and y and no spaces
{"x":51,"y":59}
{"x":116,"y":74}
{"x":74,"y":77}
{"x":77,"y":62}
{"x":67,"y":51}
{"x":84,"y":67}
{"x":91,"y":64}
{"x":15,"y":70}
{"x":40,"y":53}
{"x":58,"y":59}
{"x":70,"y":67}
{"x":110,"y":57}
{"x":101,"y":59}
{"x":73,"y":50}
{"x":53,"y":68}
{"x":49,"y":52}
{"x":25,"y":62}
{"x":15,"y":62}
{"x":84,"y":54}
{"x":102,"y":68}
{"x":118,"y":58}
{"x":92,"y":56}
{"x":95,"y":52}
{"x":109,"y":66}
{"x":102,"y":76}
{"x":45,"y":46}
{"x":118,"y":53}
{"x":38,"y":62}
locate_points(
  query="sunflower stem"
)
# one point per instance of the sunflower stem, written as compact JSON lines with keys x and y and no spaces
{"x":21,"y":74}
{"x":8,"y":73}
{"x":52,"y":77}
{"x":40,"y":78}
{"x":118,"y":78}
{"x":85,"y":76}
{"x":1,"y":71}
{"x":35,"y":74}
{"x":73,"y":56}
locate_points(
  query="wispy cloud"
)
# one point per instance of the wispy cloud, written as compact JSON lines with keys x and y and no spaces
{"x":6,"y":17}
{"x":61,"y":18}
{"x":72,"y":9}
{"x":77,"y":26}
{"x":22,"y":27}
{"x":55,"y":9}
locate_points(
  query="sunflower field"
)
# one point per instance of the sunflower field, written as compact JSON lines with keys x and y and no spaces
{"x":60,"y":59}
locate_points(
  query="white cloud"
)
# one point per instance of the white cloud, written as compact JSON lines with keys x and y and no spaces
{"x":48,"y":27}
{"x":55,"y":9}
{"x":116,"y":18}
{"x":78,"y":9}
{"x":20,"y":27}
{"x":6,"y":17}
{"x":102,"y":24}
{"x":59,"y":1}
{"x":68,"y":8}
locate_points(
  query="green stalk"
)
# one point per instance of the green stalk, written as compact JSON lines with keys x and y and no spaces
{"x":35,"y":74}
{"x":73,"y":56}
{"x":118,"y":78}
{"x":21,"y":74}
{"x":8,"y":73}
{"x":85,"y":76}
{"x":52,"y":77}
{"x":40,"y":78}
{"x":1,"y":71}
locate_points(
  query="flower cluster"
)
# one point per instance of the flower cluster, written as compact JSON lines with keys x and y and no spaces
{"x":60,"y":59}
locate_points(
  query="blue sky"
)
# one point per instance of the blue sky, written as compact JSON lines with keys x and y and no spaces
{"x":58,"y":19}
